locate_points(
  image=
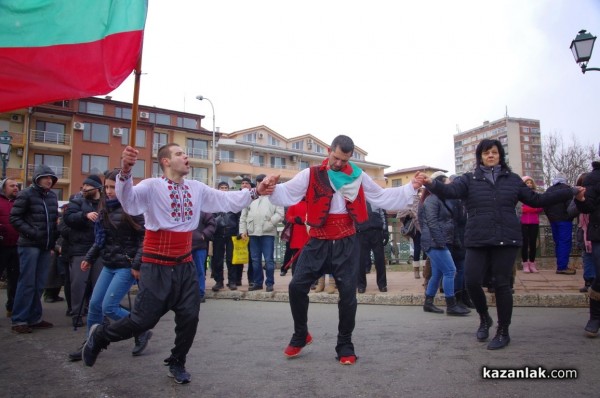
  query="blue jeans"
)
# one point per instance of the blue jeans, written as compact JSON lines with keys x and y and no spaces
{"x":562,"y":235}
{"x":34,"y":265}
{"x":110,"y":288}
{"x":441,"y":264}
{"x":589,"y":271}
{"x":199,"y":259}
{"x":262,"y":246}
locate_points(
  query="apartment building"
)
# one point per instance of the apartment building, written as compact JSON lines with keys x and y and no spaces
{"x":521,"y":139}
{"x":86,"y":136}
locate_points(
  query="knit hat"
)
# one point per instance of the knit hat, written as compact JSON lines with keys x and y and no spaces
{"x":437,"y":174}
{"x":560,"y":178}
{"x":93,"y":181}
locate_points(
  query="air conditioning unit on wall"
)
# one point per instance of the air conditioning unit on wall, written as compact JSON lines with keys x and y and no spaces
{"x":118,"y":132}
{"x":260,"y":136}
{"x":16,"y":118}
{"x":294,"y":158}
{"x":144,"y":115}
{"x":78,"y":126}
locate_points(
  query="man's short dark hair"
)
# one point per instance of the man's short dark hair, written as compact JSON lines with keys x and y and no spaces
{"x":343,"y":142}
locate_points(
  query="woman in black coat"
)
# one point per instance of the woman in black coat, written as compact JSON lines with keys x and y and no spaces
{"x":493,"y":231}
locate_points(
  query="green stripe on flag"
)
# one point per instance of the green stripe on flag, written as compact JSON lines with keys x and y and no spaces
{"x":39,"y":23}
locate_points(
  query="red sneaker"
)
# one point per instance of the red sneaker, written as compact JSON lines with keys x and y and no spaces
{"x":292,"y":352}
{"x":349,"y":360}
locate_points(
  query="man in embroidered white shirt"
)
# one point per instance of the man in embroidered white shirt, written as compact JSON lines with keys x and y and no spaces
{"x":171,"y":205}
{"x":336,"y":193}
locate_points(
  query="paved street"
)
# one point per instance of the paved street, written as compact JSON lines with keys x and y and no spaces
{"x":403,"y":352}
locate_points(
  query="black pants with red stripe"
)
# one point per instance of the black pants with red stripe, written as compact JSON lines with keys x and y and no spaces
{"x":162,"y":288}
{"x":318,"y":257}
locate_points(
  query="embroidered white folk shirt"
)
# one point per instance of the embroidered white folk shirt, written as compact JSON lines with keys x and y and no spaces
{"x":169,"y":206}
{"x":292,"y":191}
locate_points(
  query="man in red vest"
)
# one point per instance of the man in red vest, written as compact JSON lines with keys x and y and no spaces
{"x":336,"y":193}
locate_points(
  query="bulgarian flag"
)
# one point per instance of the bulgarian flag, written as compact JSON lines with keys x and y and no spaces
{"x":53,"y":50}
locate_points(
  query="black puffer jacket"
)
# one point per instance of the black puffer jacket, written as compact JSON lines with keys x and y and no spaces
{"x":228,"y":224}
{"x":122,"y":243}
{"x":591,"y":204}
{"x":558,"y":211}
{"x":81,"y":237}
{"x":35,"y":212}
{"x":491,"y":215}
{"x":437,"y":226}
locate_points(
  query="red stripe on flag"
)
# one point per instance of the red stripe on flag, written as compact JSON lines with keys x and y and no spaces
{"x":34,"y":75}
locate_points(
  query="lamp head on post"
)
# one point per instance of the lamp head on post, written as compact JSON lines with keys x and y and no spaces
{"x":582,"y":47}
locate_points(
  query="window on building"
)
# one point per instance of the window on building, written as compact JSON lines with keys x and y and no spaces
{"x":55,"y":162}
{"x":139,"y":169}
{"x":199,"y":174}
{"x":397,"y":182}
{"x":356,"y":156}
{"x":123,"y":113}
{"x":319,"y":149}
{"x":197,"y":149}
{"x":273,"y":141}
{"x":163,"y":118}
{"x":525,"y":129}
{"x":303,"y":165}
{"x":226,"y":156}
{"x":159,"y":140}
{"x":257,"y":160}
{"x":277,"y":162}
{"x":140,"y":137}
{"x":250,"y":137}
{"x":187,"y":122}
{"x":526,"y":138}
{"x":91,"y":107}
{"x":94,"y":164}
{"x":59,"y":193}
{"x":156,"y":171}
{"x":96,"y":132}
{"x":51,"y":133}
{"x":298,"y":145}
{"x":525,"y":147}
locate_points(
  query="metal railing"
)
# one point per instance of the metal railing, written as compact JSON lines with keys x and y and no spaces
{"x":49,"y":137}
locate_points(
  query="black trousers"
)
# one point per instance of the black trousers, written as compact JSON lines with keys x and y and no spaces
{"x":499,"y":261}
{"x":10,"y":262}
{"x":222,"y":250}
{"x":530,"y":235}
{"x":318,"y":257}
{"x":371,"y":239}
{"x":162,"y":288}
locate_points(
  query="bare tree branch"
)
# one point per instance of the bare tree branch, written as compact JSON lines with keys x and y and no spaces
{"x":570,"y":160}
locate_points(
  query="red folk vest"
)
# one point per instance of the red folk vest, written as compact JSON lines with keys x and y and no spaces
{"x":319,"y":195}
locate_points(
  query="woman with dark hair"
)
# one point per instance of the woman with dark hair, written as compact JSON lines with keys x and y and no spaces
{"x":118,"y":240}
{"x":493,"y":231}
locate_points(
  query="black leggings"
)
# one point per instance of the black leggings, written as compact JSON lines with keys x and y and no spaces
{"x":499,"y":260}
{"x":530,"y":235}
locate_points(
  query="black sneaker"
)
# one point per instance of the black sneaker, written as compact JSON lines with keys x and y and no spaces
{"x":218,"y":286}
{"x":92,"y":347}
{"x":178,"y":373}
{"x":76,"y":355}
{"x":269,"y":288}
{"x":141,"y":342}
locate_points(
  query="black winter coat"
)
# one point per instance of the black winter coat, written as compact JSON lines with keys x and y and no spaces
{"x":558,"y":211}
{"x":35,"y":212}
{"x":491,"y":216}
{"x":205,"y":231}
{"x":591,"y":204}
{"x":122,"y":243}
{"x":437,"y":226}
{"x":228,"y":224}
{"x":81,"y":237}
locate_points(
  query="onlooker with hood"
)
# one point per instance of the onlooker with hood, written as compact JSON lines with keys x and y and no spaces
{"x":590,"y":204}
{"x":34,"y":215}
{"x":8,"y":241}
{"x":561,"y":223}
{"x":81,"y":214}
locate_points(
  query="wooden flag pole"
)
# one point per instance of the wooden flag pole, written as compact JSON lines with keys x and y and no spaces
{"x":136,"y":99}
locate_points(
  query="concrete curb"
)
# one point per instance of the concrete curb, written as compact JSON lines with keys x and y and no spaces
{"x":555,"y":300}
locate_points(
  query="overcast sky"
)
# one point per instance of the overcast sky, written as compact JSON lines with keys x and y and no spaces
{"x":399,"y":77}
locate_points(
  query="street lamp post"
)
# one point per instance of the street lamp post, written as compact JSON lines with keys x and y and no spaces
{"x":5,"y":146}
{"x":214,"y":143}
{"x":582,"y":47}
